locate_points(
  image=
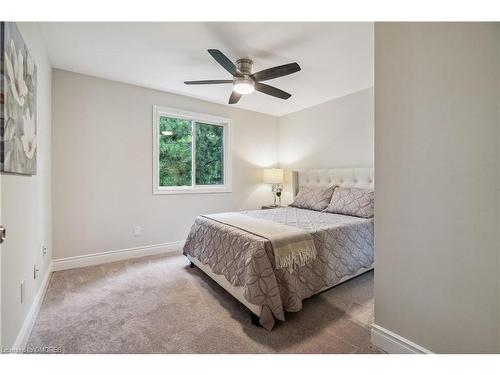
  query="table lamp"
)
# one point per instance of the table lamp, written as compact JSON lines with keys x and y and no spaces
{"x":274,"y":176}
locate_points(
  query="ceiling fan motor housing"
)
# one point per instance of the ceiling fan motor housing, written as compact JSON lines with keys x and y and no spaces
{"x":245,"y":66}
{"x":244,"y":84}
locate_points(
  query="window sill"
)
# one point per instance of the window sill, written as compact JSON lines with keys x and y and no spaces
{"x":195,"y":190}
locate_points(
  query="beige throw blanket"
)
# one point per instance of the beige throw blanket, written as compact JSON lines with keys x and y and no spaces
{"x":293,"y":247}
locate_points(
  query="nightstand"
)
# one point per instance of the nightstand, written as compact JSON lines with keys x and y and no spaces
{"x":270,"y":207}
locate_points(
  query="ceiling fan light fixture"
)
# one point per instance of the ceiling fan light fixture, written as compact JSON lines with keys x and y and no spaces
{"x":244,"y":81}
{"x":244,"y":86}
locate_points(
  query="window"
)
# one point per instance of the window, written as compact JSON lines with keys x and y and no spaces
{"x":190,"y":152}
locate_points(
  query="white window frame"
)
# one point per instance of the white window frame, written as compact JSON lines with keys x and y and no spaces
{"x":159,"y":111}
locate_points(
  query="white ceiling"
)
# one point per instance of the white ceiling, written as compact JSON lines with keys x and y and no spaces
{"x":336,"y":58}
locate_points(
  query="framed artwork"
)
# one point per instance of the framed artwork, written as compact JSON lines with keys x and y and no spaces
{"x":18,"y":131}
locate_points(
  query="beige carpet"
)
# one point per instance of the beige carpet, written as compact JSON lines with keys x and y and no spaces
{"x":160,"y":305}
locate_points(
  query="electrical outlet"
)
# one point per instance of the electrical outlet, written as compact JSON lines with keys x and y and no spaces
{"x":22,"y":291}
{"x":35,"y":271}
{"x":137,"y":231}
{"x":44,"y":251}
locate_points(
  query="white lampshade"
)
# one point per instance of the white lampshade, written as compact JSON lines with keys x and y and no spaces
{"x":273,"y":176}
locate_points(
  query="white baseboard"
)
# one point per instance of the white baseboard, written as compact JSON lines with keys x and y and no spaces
{"x":392,"y":343}
{"x":116,"y":255}
{"x":29,"y":321}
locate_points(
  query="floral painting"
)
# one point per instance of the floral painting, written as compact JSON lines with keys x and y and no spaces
{"x":17,"y":103}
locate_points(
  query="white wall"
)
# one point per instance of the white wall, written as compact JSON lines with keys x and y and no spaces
{"x":338,"y":133}
{"x":102,"y":166}
{"x":26,"y":207}
{"x":437,"y":180}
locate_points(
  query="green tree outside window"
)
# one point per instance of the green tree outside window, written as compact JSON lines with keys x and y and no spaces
{"x":209,"y":154}
{"x":176,"y":153}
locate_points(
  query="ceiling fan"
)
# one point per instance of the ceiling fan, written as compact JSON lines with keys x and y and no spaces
{"x":244,"y":82}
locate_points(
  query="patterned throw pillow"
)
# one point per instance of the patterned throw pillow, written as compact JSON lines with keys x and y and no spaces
{"x":313,"y":198}
{"x":352,"y":202}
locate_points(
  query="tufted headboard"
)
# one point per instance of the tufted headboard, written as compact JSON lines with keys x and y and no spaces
{"x":362,"y":177}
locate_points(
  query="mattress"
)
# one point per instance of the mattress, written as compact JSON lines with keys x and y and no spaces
{"x":344,"y":246}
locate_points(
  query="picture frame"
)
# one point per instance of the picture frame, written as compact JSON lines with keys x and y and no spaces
{"x":18,"y":112}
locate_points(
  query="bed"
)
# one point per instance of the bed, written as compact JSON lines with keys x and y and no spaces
{"x":243,"y":262}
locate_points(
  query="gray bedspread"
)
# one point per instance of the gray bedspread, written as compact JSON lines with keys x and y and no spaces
{"x":344,"y":246}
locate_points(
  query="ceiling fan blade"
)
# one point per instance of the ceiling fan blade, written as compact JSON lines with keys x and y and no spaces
{"x":270,"y":90}
{"x":225,"y":62}
{"x":233,"y":99}
{"x":209,"y":82}
{"x":277,"y":71}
